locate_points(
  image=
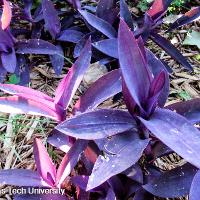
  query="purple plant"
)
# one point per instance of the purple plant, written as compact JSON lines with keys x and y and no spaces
{"x":46,"y":176}
{"x":52,"y":29}
{"x":120,"y":146}
{"x":27,"y":100}
{"x":140,"y":131}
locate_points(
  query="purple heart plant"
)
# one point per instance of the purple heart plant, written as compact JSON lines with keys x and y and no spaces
{"x":146,"y":131}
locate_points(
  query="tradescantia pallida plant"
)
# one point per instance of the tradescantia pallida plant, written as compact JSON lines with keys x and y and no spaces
{"x":120,"y":146}
{"x":146,"y":130}
{"x":53,"y":27}
{"x":47,"y":176}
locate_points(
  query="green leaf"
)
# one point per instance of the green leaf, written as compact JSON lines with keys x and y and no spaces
{"x":193,"y":38}
{"x":184,"y":95}
{"x":13,"y":79}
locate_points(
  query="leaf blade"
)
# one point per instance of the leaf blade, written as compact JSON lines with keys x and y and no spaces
{"x":177,"y":133}
{"x":109,"y":165}
{"x":97,"y":124}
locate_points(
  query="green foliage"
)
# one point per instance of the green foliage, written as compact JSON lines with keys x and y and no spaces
{"x":143,"y":5}
{"x":13,"y":79}
{"x":184,"y":95}
{"x":177,"y":4}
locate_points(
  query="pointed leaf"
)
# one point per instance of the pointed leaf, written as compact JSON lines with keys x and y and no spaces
{"x":99,"y":24}
{"x":158,"y":8}
{"x":57,"y":61}
{"x":45,"y":166}
{"x":173,"y":183}
{"x":189,"y":109}
{"x":72,"y":80}
{"x":52,"y":21}
{"x":194,"y":190}
{"x":156,"y":67}
{"x":36,"y":46}
{"x":70,"y":36}
{"x":70,"y":160}
{"x":137,"y":79}
{"x":125,"y":14}
{"x":188,"y":17}
{"x":76,"y":3}
{"x":21,"y":177}
{"x":60,"y":141}
{"x":106,"y":10}
{"x":104,"y":88}
{"x":6,"y":15}
{"x":156,"y":88}
{"x":9,"y":60}
{"x":27,"y":8}
{"x":171,"y":50}
{"x":6,"y":41}
{"x":17,"y":89}
{"x":177,"y":133}
{"x":97,"y":124}
{"x":19,"y":105}
{"x":121,"y":152}
{"x":108,"y":47}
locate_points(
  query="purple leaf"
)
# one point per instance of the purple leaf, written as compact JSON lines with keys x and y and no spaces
{"x":103,"y":6}
{"x":110,"y":195}
{"x":45,"y":166}
{"x":115,"y":159}
{"x":41,"y":197}
{"x":16,"y":90}
{"x":106,"y":11}
{"x":142,"y":195}
{"x":156,"y":87}
{"x":104,"y":88}
{"x":194,"y":190}
{"x":80,"y":181}
{"x":135,"y":173}
{"x":57,"y":61}
{"x":156,"y":67}
{"x":72,"y":80}
{"x":9,"y":60}
{"x":158,"y":8}
{"x":52,"y":21}
{"x":21,"y":177}
{"x":3,"y":73}
{"x":70,"y":160}
{"x":188,"y":17}
{"x":22,"y":70}
{"x":70,"y":36}
{"x":60,"y":141}
{"x":36,"y":46}
{"x":108,"y":47}
{"x":137,"y":79}
{"x":27,"y":8}
{"x":130,"y":102}
{"x":99,"y":24}
{"x":76,"y":3}
{"x":125,"y":14}
{"x":189,"y":109}
{"x":79,"y":46}
{"x":173,"y":183}
{"x":171,"y":50}
{"x":6,"y":41}
{"x":177,"y":133}
{"x":97,"y":124}
{"x":19,"y":105}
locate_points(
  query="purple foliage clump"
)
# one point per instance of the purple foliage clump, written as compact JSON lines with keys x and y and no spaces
{"x":108,"y":153}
